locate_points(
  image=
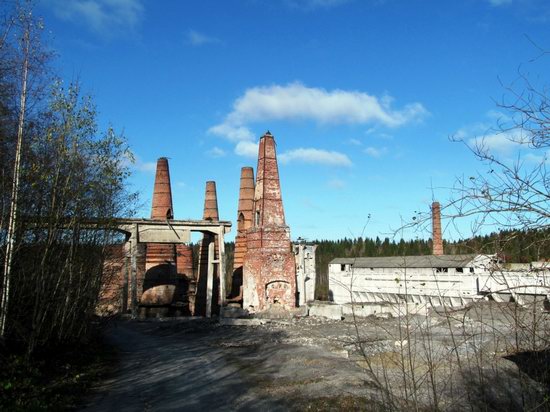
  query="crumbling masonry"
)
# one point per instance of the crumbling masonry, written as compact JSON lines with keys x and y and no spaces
{"x":269,"y":272}
{"x":245,"y":214}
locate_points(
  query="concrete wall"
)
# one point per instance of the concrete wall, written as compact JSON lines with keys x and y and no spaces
{"x":431,"y":285}
{"x":305,"y":271}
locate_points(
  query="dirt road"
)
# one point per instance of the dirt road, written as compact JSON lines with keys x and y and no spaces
{"x":198,"y":365}
{"x":445,"y":361}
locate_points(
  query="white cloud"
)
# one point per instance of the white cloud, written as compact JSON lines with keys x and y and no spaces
{"x":195,"y":38}
{"x":296,"y":101}
{"x":537,"y":158}
{"x":376,"y":152}
{"x":502,"y":143}
{"x":105,"y":17}
{"x":497,"y":116}
{"x":315,"y":156}
{"x":140,"y":165}
{"x":247,"y":149}
{"x":216,"y":152}
{"x":336,"y":184}
{"x":233,"y":133}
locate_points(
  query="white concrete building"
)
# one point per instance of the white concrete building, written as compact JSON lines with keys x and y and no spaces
{"x":452,"y":280}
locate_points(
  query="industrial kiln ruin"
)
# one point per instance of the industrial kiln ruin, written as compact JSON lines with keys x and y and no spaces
{"x":162,"y":280}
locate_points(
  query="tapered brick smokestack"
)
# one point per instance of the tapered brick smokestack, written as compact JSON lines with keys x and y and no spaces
{"x":210,"y":213}
{"x":159,"y":253}
{"x":437,"y":239}
{"x":269,"y":274}
{"x":268,"y":202}
{"x":244,"y":214}
{"x":162,"y":194}
{"x":210,"y":202}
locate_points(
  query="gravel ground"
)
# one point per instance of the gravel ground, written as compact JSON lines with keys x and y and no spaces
{"x":448,"y":361}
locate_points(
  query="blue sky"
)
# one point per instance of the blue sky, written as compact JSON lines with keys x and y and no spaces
{"x":361,"y":95}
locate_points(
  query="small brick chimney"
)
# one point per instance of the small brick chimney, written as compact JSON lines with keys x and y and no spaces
{"x":437,"y":239}
{"x":210,"y":202}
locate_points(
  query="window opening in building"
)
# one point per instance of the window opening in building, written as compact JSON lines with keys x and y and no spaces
{"x":342,"y":268}
{"x":460,"y":270}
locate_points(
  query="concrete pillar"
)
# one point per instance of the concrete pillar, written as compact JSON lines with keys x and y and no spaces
{"x":210,"y":280}
{"x":133,"y":259}
{"x":126,"y":278}
{"x":221,"y":266}
{"x":437,"y":239}
{"x":201,"y":296}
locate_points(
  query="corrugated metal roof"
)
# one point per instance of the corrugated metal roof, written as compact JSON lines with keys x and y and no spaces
{"x":428,"y":261}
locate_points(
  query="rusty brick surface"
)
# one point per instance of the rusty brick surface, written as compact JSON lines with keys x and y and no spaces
{"x":210,"y":202}
{"x":111,"y":294}
{"x":244,"y":215}
{"x":162,"y":208}
{"x":160,"y":279}
{"x":115,"y":294}
{"x":269,"y":272}
{"x":184,"y":260}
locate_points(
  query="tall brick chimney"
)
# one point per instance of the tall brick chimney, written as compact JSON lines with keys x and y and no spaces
{"x":437,"y":239}
{"x":245,"y":214}
{"x":210,"y":213}
{"x":159,"y":253}
{"x":269,"y":273}
{"x":268,"y":202}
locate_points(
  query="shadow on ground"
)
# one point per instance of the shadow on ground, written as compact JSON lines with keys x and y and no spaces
{"x":199,"y":365}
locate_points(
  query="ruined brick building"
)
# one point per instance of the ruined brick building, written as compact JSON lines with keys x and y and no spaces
{"x":269,"y":269}
{"x":168,"y":277}
{"x":245,"y":212}
{"x":162,"y":274}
